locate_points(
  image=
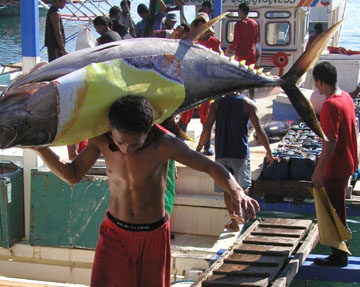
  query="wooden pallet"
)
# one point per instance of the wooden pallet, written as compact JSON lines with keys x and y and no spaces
{"x":261,"y":252}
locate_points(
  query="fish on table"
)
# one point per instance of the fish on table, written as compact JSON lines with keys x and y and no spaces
{"x":67,"y":100}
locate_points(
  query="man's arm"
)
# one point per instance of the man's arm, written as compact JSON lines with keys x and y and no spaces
{"x":235,"y":41}
{"x":162,"y":7}
{"x":206,"y":132}
{"x":70,"y":172}
{"x":242,"y":204}
{"x":55,"y":22}
{"x":355,"y":92}
{"x":251,"y":110}
{"x":328,"y":149}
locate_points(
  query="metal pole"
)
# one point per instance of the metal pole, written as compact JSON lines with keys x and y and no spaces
{"x":29,"y":12}
{"x":218,"y":11}
{"x":217,"y":8}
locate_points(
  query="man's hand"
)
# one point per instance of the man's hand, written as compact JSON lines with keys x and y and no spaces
{"x":269,"y":159}
{"x":242,"y":205}
{"x":316,"y":178}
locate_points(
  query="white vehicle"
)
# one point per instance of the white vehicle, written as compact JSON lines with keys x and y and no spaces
{"x":284,"y":25}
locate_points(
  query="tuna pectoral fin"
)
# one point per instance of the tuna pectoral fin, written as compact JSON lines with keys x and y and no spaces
{"x":304,"y":108}
{"x":7,"y":137}
{"x":171,"y":126}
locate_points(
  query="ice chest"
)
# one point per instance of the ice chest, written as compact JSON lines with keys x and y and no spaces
{"x":301,"y":168}
{"x":278,"y":170}
{"x":11,"y":204}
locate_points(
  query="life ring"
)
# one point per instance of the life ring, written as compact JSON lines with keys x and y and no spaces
{"x":280,"y":60}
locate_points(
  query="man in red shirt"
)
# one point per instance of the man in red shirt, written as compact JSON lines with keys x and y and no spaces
{"x":338,"y":159}
{"x":246,"y":35}
{"x":210,"y":42}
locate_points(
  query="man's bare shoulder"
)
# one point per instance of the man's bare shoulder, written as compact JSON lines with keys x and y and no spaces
{"x":99,"y":140}
{"x":55,"y":16}
{"x":171,"y":146}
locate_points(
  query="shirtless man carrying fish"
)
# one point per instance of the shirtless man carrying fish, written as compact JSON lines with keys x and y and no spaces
{"x":134,"y":245}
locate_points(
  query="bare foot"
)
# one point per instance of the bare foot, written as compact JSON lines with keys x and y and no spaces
{"x":232,"y":225}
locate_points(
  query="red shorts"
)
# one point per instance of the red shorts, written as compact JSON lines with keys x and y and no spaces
{"x":132,"y":258}
{"x":203,"y":110}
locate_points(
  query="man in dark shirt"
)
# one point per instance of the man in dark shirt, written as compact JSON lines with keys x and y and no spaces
{"x":54,"y":31}
{"x":231,"y":114}
{"x":101,"y":24}
{"x":114,"y":14}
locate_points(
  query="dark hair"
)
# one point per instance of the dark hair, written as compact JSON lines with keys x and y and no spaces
{"x":131,"y":114}
{"x":318,"y":28}
{"x":186,"y":27}
{"x":123,"y":3}
{"x":206,"y":3}
{"x":102,"y":21}
{"x":245,"y":8}
{"x":196,"y":22}
{"x":142,"y":8}
{"x":325,"y":72}
{"x":114,"y":10}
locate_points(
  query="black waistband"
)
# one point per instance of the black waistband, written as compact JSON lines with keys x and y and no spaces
{"x":137,"y":227}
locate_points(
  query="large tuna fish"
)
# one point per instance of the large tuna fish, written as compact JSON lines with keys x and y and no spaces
{"x":67,"y":100}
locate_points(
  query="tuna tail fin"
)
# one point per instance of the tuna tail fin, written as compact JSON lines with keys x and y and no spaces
{"x":171,"y":126}
{"x":305,"y":62}
{"x":195,"y":35}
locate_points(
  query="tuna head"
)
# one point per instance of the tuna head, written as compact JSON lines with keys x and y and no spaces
{"x":28,"y":116}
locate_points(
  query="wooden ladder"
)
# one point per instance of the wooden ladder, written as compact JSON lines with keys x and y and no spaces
{"x":261,"y":252}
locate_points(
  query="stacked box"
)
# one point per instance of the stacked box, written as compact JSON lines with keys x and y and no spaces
{"x":296,"y":155}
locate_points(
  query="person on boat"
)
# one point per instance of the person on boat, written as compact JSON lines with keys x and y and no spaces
{"x":181,"y":31}
{"x":149,"y":23}
{"x":114,"y":14}
{"x":246,"y":36}
{"x":318,"y":30}
{"x":134,"y":244}
{"x":338,"y":159}
{"x":125,"y":18}
{"x":167,"y":27}
{"x":54,"y":31}
{"x":209,"y":41}
{"x":102,"y":26}
{"x":207,"y":8}
{"x":232,"y":114}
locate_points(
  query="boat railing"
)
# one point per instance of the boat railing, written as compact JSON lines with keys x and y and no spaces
{"x":86,"y":10}
{"x":43,"y":4}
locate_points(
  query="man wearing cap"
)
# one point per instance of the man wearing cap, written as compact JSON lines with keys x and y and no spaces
{"x":148,"y":24}
{"x":170,"y":21}
{"x":246,"y":36}
{"x":167,"y":27}
{"x":210,"y":42}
